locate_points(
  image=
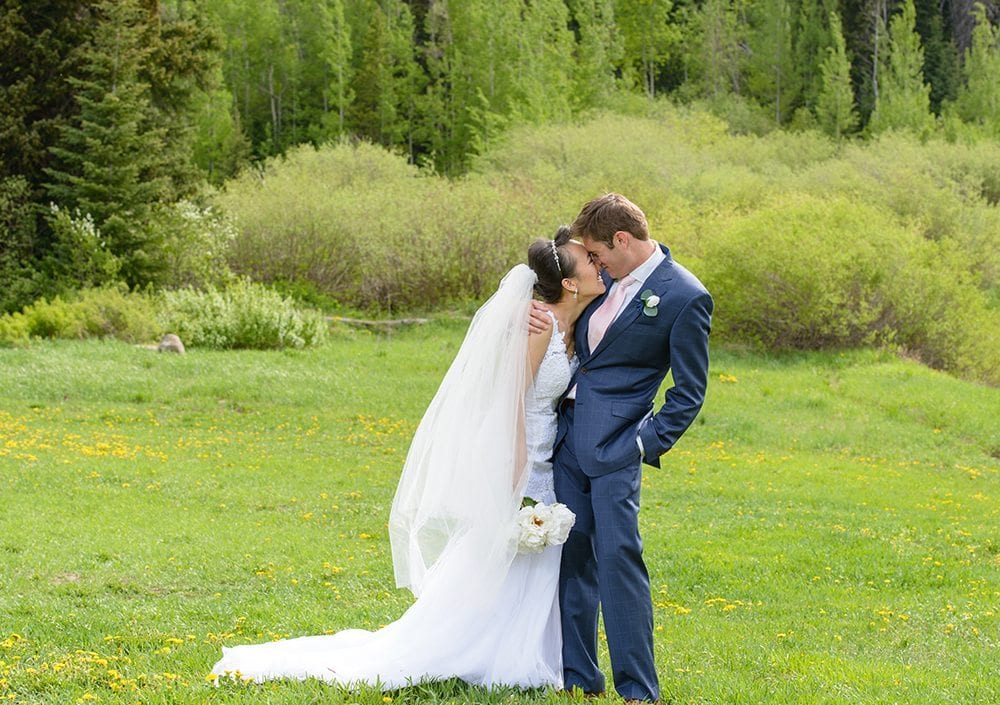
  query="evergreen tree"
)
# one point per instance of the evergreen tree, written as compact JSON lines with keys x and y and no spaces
{"x":716,"y":62}
{"x":835,"y":103}
{"x":542,"y":80}
{"x":812,"y":39}
{"x":942,"y":68}
{"x":437,"y":129}
{"x":37,"y":42}
{"x":111,"y":159}
{"x":772,"y":77}
{"x":599,"y":52}
{"x":903,"y":99}
{"x":978,"y":101}
{"x":387,"y":82}
{"x":220,"y":148}
{"x":648,"y":37}
{"x":182,"y":64}
{"x":865,"y":23}
{"x":17,"y":241}
{"x":336,"y":60}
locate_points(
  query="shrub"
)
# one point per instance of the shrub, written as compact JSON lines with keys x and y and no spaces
{"x":822,"y":230}
{"x":373,"y":232}
{"x":244,"y":315}
{"x":110,"y":312}
{"x":195,"y":245}
{"x":80,"y":256}
{"x":788,"y":277}
{"x":809,"y":273}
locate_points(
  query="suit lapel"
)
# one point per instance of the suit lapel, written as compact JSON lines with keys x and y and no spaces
{"x":657,"y":282}
{"x":583,"y":325}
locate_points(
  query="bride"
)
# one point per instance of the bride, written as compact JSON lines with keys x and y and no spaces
{"x":484,"y":613}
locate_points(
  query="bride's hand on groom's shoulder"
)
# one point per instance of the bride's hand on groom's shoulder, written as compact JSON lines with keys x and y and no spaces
{"x":538,"y":318}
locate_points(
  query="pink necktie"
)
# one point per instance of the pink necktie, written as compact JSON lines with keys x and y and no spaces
{"x":607,"y":312}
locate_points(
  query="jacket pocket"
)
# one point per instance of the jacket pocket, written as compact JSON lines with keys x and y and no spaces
{"x":632,"y":412}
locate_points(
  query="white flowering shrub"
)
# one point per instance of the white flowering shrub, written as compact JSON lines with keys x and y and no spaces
{"x":243,"y":315}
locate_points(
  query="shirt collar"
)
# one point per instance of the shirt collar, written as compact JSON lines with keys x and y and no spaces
{"x":642,"y":272}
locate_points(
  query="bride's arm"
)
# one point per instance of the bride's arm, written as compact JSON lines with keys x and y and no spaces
{"x":538,"y":343}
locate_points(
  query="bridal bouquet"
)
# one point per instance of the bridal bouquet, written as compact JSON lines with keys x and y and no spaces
{"x":542,"y":525}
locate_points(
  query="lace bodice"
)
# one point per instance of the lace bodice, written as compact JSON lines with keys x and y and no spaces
{"x":553,"y":377}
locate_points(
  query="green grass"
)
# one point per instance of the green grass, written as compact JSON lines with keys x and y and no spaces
{"x":825,"y":533}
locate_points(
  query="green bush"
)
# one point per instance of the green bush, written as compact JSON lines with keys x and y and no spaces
{"x":244,"y":315}
{"x":110,"y":312}
{"x":373,"y":232}
{"x":805,"y":242}
{"x":195,"y":245}
{"x":787,"y":277}
{"x":80,"y":256}
{"x":809,"y":273}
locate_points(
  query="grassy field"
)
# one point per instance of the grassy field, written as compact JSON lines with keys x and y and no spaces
{"x":827,"y":531}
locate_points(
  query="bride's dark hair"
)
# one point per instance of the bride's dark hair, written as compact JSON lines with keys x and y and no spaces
{"x":548,"y":259}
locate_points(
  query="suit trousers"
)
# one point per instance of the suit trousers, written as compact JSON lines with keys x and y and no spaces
{"x":602,"y":568}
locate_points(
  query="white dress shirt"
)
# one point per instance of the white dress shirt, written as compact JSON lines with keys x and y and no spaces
{"x":640,"y":274}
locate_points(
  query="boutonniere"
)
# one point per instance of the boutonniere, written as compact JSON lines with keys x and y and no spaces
{"x":649,"y":303}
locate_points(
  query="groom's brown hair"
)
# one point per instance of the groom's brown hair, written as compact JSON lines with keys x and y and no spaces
{"x":602,"y":217}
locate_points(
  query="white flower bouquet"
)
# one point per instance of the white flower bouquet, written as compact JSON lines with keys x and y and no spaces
{"x":542,"y":525}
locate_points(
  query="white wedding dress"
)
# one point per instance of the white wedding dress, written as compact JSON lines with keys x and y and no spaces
{"x":483,"y":614}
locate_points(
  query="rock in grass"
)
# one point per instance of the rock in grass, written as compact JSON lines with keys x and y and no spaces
{"x":171,"y":343}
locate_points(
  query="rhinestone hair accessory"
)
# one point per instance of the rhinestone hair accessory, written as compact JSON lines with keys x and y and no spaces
{"x":555,"y":256}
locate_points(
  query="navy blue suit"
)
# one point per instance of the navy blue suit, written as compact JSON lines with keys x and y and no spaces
{"x":598,"y":471}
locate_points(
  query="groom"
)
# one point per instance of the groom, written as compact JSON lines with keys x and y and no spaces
{"x":654,"y":317}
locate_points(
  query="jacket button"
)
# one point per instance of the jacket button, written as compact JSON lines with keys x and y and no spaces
{"x":583,"y":370}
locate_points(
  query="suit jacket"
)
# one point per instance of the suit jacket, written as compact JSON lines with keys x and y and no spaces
{"x":617,"y":382}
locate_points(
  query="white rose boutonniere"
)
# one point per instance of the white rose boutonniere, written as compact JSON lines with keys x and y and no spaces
{"x":649,"y":303}
{"x":542,"y":525}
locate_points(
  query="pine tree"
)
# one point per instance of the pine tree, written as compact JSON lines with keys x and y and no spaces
{"x":599,"y":52}
{"x":542,"y":81}
{"x":772,"y":77}
{"x":438,"y":115}
{"x":717,"y":57}
{"x":903,"y":100}
{"x":648,"y":37}
{"x":182,"y":63}
{"x":812,"y":39}
{"x":942,"y":68}
{"x":336,"y":58}
{"x":835,"y":103}
{"x":388,"y":81}
{"x":978,"y":101}
{"x":111,"y":159}
{"x":37,"y":46}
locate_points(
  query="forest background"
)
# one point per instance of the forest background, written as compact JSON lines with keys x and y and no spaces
{"x":239,"y":171}
{"x":829,"y":168}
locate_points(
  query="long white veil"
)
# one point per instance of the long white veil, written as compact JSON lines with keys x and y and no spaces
{"x":453,"y":516}
{"x":453,"y":532}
